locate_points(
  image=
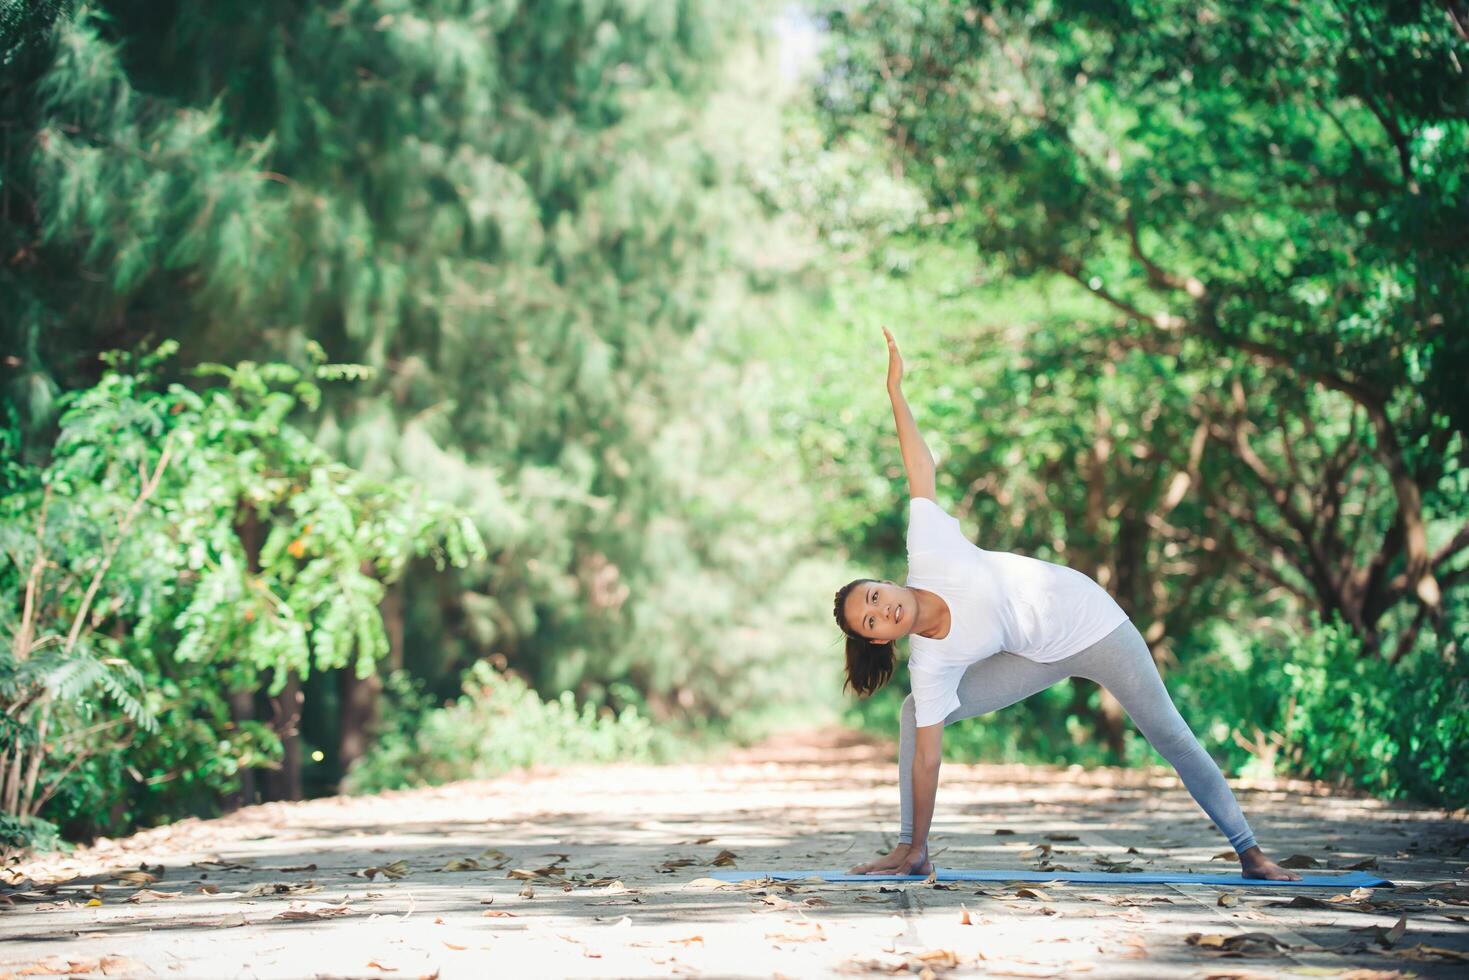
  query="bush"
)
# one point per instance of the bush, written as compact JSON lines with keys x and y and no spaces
{"x":1393,"y":731}
{"x":1323,"y":710}
{"x":498,"y":724}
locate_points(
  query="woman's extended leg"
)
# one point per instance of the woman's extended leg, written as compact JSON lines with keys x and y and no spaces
{"x":1122,"y":663}
{"x":989,"y":685}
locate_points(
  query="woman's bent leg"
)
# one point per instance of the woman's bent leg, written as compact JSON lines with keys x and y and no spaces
{"x":989,"y":685}
{"x":1122,"y":663}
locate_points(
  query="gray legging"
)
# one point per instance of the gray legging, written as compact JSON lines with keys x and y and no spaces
{"x":1120,"y":662}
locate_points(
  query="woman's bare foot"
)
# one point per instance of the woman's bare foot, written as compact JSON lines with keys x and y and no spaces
{"x":884,"y":865}
{"x":904,"y":860}
{"x":1254,"y":864}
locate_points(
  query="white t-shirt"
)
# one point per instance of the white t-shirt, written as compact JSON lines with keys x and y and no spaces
{"x":997,"y":601}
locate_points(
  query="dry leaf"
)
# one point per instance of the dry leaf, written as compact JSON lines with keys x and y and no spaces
{"x":454,"y":946}
{"x":309,"y":914}
{"x":1035,"y":893}
{"x":688,"y":940}
{"x":724,"y":859}
{"x":149,"y":895}
{"x":464,"y":864}
{"x":1384,"y":936}
{"x":527,"y":891}
{"x":381,"y":966}
{"x":1433,"y":954}
{"x":93,"y":903}
{"x":939,"y":957}
{"x":702,"y":840}
{"x":1243,"y":944}
{"x":1004,"y":832}
{"x":813,"y":933}
{"x":1224,"y":856}
{"x":134,"y":878}
{"x":669,"y":866}
{"x":281,"y":888}
{"x":710,"y":883}
{"x":394,"y":871}
{"x":1226,"y":899}
{"x":1062,"y":837}
{"x":209,"y":889}
{"x":1361,"y":865}
{"x":221,"y":866}
{"x":1300,"y":861}
{"x":497,"y":914}
{"x":964,"y":915}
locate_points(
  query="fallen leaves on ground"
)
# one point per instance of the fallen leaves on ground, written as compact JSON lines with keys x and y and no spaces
{"x":1422,"y":953}
{"x":1226,"y":899}
{"x":1138,"y":947}
{"x":381,"y":966}
{"x":1241,"y":944}
{"x":306,"y":914}
{"x":213,"y":865}
{"x":464,"y":864}
{"x":134,"y":877}
{"x":281,"y":888}
{"x":964,"y":919}
{"x":1062,"y":837}
{"x":1113,"y":867}
{"x":149,"y":895}
{"x":673,"y":864}
{"x":1385,"y":936}
{"x":724,"y":859}
{"x":395,"y":870}
{"x":802,"y":931}
{"x":1034,"y":893}
{"x":1300,"y":861}
{"x":111,"y":966}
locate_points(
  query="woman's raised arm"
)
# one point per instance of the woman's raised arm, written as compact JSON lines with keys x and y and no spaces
{"x":917,"y":460}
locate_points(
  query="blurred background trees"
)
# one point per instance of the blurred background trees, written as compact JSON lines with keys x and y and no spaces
{"x":582,"y":298}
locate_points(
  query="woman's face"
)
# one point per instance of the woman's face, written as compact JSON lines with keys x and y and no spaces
{"x":880,"y":611}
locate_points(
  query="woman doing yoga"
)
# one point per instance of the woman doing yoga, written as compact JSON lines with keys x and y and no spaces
{"x":989,"y":628}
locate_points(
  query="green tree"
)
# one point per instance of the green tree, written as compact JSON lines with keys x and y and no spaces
{"x":529,"y":218}
{"x":130,"y":583}
{"x":1270,"y":194}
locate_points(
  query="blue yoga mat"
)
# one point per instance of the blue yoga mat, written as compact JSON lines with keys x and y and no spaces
{"x":1346,"y":879}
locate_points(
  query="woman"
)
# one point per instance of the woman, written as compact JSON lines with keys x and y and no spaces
{"x":987,"y":629}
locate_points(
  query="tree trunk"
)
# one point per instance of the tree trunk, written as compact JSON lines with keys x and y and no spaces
{"x":242,"y":709}
{"x":357,"y":710}
{"x":285,"y":783}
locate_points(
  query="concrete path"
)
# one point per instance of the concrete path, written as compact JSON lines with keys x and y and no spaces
{"x":595,"y":872}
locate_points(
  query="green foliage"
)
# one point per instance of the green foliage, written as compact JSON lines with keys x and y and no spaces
{"x":499,"y":723}
{"x":535,"y":222}
{"x":22,"y":835}
{"x":178,"y":545}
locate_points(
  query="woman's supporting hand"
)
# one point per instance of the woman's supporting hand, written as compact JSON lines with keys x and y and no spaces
{"x":895,"y":362}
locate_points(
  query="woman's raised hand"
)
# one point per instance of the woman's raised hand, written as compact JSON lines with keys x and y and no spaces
{"x":895,"y":362}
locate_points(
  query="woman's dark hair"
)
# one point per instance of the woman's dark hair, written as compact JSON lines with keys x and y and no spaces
{"x":869,"y":664}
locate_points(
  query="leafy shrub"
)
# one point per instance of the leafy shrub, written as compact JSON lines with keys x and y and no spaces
{"x":498,"y":724}
{"x":1316,"y":706}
